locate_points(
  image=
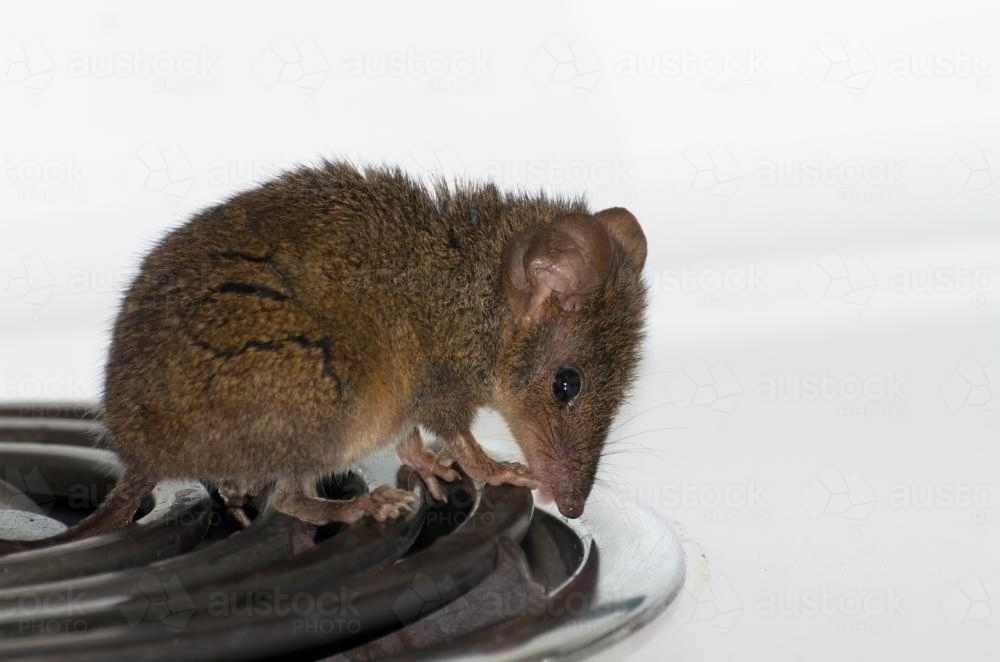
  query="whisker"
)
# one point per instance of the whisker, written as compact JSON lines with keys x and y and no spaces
{"x":658,"y":453}
{"x":637,"y":415}
{"x":642,"y":432}
{"x":643,"y":375}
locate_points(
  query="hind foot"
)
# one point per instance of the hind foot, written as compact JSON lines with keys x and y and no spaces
{"x":303,"y":503}
{"x":235,"y":497}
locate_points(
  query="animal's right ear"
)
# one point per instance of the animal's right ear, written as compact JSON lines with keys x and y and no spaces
{"x":623,"y":226}
{"x":558,"y":264}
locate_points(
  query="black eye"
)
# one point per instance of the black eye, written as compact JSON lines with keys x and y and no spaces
{"x":566,"y":385}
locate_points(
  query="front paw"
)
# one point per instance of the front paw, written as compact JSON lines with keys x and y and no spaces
{"x":432,"y":467}
{"x":492,"y":472}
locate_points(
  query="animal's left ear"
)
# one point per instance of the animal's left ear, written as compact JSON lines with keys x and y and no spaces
{"x":623,"y":226}
{"x":558,"y":264}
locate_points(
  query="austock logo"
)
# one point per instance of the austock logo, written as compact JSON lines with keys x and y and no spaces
{"x":837,"y":62}
{"x":26,"y":491}
{"x":27,"y":63}
{"x":288,"y":62}
{"x":710,"y":170}
{"x":835,"y":493}
{"x":157,"y":601}
{"x":833,"y":277}
{"x":560,"y":61}
{"x":26,"y":277}
{"x":702,"y":385}
{"x":710,"y":602}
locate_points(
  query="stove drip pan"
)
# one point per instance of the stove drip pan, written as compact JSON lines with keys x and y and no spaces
{"x":487,"y":574}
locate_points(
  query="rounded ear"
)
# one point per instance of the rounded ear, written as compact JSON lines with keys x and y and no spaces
{"x":559,"y":263}
{"x":623,"y":226}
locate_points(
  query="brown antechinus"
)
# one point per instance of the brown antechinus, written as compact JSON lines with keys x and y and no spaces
{"x":293,"y":330}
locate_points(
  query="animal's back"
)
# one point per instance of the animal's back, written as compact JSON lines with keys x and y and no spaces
{"x":258,"y":335}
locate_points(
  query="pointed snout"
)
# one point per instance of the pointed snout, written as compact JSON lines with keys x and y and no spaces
{"x":570,"y":498}
{"x":570,"y":508}
{"x":565,"y":479}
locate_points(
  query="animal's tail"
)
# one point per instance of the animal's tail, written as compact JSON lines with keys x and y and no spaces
{"x":114,"y":512}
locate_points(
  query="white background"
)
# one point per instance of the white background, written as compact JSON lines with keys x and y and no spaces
{"x":833,"y":165}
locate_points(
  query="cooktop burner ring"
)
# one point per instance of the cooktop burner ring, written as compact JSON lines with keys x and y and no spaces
{"x":485,"y":574}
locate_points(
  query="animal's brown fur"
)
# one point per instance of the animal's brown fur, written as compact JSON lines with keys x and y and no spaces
{"x":298,"y":326}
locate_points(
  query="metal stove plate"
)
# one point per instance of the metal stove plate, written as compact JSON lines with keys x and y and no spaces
{"x":630,"y":566}
{"x":640,"y":570}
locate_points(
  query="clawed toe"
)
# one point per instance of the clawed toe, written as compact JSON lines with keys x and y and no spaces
{"x":389,"y":502}
{"x":235,"y":498}
{"x":481,"y":467}
{"x":433,"y":475}
{"x":382,"y":504}
{"x":509,"y":473}
{"x":430,"y":466}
